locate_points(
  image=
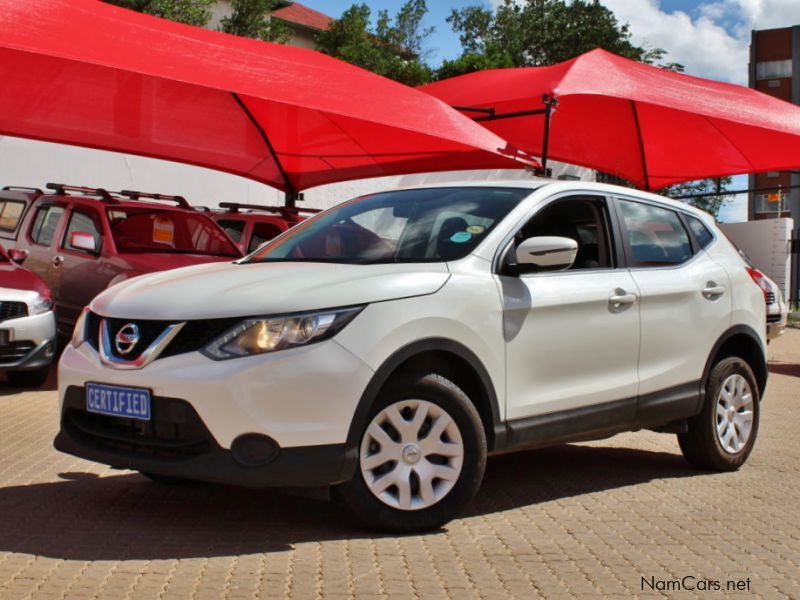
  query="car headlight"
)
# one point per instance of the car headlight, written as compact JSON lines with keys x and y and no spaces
{"x":269,"y":334}
{"x":79,"y":333}
{"x":40,"y":305}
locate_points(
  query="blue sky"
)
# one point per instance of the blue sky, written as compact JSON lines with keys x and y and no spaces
{"x":710,"y":37}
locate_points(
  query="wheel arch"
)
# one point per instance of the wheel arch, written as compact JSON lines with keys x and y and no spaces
{"x":744,"y":342}
{"x":436,"y":355}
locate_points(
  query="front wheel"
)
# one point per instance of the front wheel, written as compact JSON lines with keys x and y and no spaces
{"x":722,"y":436}
{"x":421,"y":458}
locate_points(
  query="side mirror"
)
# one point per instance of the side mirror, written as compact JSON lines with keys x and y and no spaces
{"x":81,"y":240}
{"x":551,"y":252}
{"x":17,"y":255}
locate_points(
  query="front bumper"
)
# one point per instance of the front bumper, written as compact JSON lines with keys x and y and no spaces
{"x":32,"y":343}
{"x":302,"y":400}
{"x":179,"y":445}
{"x":776,"y":325}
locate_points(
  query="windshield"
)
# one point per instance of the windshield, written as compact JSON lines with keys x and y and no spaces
{"x":139,"y":230}
{"x":428,"y":225}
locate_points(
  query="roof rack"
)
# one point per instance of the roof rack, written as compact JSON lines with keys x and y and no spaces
{"x":61,"y":189}
{"x":235,"y":207}
{"x":21,"y":188}
{"x":134,"y":195}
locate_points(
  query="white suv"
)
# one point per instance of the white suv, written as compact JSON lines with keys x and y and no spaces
{"x":387,"y":345}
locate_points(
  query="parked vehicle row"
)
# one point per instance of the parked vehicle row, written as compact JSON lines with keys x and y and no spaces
{"x":252,"y":225}
{"x":388,"y":345}
{"x":27,"y":325}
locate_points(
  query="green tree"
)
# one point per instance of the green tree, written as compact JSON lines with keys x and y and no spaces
{"x":191,"y":12}
{"x":393,"y":47}
{"x":250,"y":18}
{"x":543,"y":32}
{"x":711,"y":204}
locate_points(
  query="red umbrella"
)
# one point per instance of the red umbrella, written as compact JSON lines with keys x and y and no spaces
{"x":86,"y":73}
{"x":652,"y":127}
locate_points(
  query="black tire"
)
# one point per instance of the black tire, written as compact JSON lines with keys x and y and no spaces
{"x":28,"y":379}
{"x":357,"y":498}
{"x":700,"y":444}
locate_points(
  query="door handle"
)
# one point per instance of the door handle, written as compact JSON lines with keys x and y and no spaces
{"x":620,"y":298}
{"x":713,"y":290}
{"x":58,"y":261}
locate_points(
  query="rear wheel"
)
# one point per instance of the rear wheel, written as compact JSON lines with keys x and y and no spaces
{"x":722,"y":436}
{"x":421,"y":458}
{"x":28,"y":379}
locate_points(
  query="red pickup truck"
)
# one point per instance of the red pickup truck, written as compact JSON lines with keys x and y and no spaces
{"x":81,"y":240}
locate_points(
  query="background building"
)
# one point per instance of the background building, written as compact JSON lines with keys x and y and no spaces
{"x":304,"y":23}
{"x":775,"y":70}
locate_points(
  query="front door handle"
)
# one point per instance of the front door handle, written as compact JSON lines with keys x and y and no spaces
{"x":713,"y":291}
{"x":58,"y":261}
{"x":620,"y":298}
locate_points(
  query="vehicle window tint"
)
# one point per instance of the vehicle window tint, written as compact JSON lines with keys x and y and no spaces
{"x":262,"y":232}
{"x":701,"y":233}
{"x":233,"y":227}
{"x":85,"y":222}
{"x":655,"y":236}
{"x":582,"y":219}
{"x":10,"y":214}
{"x":45,"y":224}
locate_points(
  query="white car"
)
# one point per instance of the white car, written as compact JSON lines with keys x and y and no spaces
{"x":387,"y":345}
{"x":777,"y":311}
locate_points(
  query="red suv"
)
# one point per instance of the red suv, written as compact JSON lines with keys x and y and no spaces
{"x":82,"y":240}
{"x":250,"y":225}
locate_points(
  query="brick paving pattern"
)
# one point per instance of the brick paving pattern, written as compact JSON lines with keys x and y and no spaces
{"x":571,"y":521}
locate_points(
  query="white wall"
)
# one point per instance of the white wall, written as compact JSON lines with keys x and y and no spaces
{"x":767,"y":243}
{"x":32,"y":163}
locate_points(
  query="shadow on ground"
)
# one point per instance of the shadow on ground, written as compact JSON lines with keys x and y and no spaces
{"x":790,"y":369}
{"x":123,"y":517}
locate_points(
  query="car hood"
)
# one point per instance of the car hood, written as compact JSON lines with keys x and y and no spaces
{"x":15,"y":277}
{"x":249,"y":289}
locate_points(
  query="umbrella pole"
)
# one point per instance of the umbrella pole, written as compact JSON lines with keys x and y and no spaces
{"x":292,"y":195}
{"x":549,"y":103}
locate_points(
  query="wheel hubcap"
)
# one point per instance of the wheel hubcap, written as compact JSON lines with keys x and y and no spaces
{"x":411,"y":454}
{"x":734,"y":414}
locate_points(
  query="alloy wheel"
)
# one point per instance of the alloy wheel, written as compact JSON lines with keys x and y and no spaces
{"x":734,"y":413}
{"x":411,"y":454}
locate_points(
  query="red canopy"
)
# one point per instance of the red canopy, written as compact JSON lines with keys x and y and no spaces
{"x":86,"y":73}
{"x":652,"y":127}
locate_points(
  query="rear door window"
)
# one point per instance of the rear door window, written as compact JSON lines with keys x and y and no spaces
{"x":10,"y":214}
{"x":233,"y":227}
{"x":45,"y":224}
{"x":654,"y":236}
{"x":262,"y":232}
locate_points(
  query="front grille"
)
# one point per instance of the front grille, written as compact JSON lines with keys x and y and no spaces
{"x":194,"y":335}
{"x":12,"y":310}
{"x":770,"y":297}
{"x":773,"y":318}
{"x":175,"y":430}
{"x":15,"y":351}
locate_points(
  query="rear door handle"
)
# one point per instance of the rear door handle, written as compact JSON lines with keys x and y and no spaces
{"x":58,"y":261}
{"x":620,"y":298}
{"x":713,"y":290}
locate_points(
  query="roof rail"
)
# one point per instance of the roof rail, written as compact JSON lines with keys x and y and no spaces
{"x":21,"y":188}
{"x":234,"y":207}
{"x":134,"y":195}
{"x":61,"y":189}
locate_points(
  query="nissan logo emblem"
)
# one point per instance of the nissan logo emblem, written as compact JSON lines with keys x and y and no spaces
{"x":127,"y":338}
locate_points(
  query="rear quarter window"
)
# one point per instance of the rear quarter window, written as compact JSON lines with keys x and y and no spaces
{"x":701,"y":233}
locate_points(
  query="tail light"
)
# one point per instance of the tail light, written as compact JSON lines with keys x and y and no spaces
{"x":759,"y":279}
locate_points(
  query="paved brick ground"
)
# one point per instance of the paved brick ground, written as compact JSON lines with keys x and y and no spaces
{"x":570,"y":521}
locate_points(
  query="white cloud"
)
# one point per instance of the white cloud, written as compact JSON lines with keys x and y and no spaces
{"x":711,"y":42}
